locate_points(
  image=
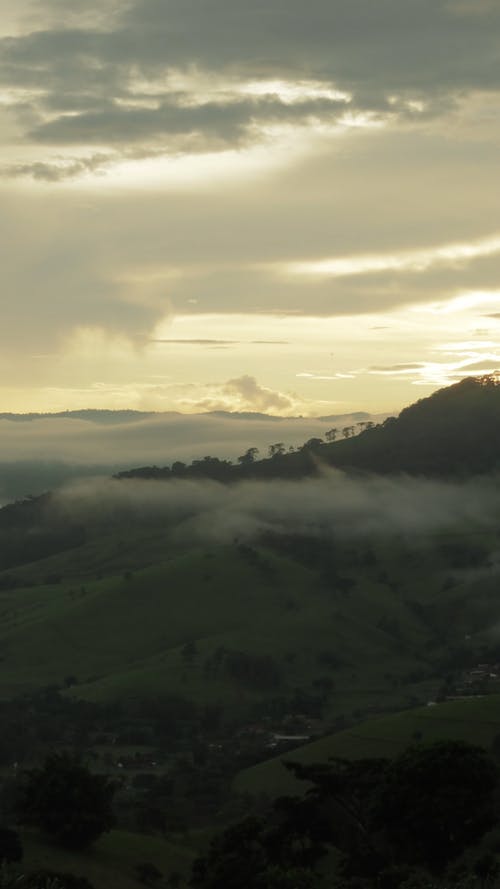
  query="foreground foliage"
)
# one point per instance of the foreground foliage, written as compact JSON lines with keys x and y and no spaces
{"x":385,"y":821}
{"x":66,"y":801}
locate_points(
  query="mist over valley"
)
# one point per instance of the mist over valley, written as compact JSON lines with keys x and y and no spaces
{"x":40,"y":452}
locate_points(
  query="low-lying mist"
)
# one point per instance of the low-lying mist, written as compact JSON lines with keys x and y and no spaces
{"x":43,"y":453}
{"x":331,"y":503}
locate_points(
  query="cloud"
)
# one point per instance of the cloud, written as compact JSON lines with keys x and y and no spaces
{"x":332,"y":504}
{"x":347,"y":285}
{"x":217,"y":343}
{"x":205,"y":126}
{"x":44,"y":452}
{"x":169,"y":157}
{"x":405,"y":59}
{"x":59,"y":171}
{"x":200,"y":342}
{"x":419,"y":260}
{"x":396,"y":368}
{"x":247,"y":392}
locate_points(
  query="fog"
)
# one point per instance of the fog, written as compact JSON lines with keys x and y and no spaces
{"x":330,"y":503}
{"x":40,"y":454}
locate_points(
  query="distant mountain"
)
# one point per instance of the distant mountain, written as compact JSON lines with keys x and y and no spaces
{"x":94,"y":416}
{"x":39,"y":451}
{"x":357,"y":415}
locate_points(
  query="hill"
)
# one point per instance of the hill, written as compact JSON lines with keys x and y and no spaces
{"x":109,"y":589}
{"x":454,"y":432}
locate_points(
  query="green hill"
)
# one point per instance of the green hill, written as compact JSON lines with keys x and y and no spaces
{"x":350,"y":625}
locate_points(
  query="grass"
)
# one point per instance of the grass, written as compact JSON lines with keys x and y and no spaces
{"x":476,"y":720}
{"x":130,"y":598}
{"x":122,"y":635}
{"x":111,"y":862}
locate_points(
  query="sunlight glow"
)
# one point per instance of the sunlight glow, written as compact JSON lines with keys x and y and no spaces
{"x":463,"y":302}
{"x":193,"y":86}
{"x":417,"y":260}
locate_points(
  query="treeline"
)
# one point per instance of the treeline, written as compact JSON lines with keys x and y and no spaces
{"x":454,"y":432}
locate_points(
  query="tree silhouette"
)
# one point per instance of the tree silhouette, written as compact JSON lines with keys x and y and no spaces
{"x":276,"y":450}
{"x":248,"y":457}
{"x":348,"y":431}
{"x":67,"y":801}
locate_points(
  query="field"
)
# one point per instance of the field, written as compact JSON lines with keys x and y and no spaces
{"x":476,"y":721}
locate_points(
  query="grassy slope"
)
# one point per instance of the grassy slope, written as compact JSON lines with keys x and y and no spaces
{"x":122,"y":636}
{"x":476,"y":720}
{"x":111,"y":862}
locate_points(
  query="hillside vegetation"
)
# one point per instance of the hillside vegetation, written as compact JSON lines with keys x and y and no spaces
{"x":185,"y":629}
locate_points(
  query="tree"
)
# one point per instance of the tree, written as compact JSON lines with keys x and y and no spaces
{"x":236,"y":858}
{"x":189,"y":651}
{"x":438,"y":800}
{"x":67,"y":801}
{"x":248,"y":457}
{"x":422,"y":809}
{"x":147,"y":873}
{"x":312,"y":444}
{"x":331,"y":434}
{"x":11,"y":848}
{"x":276,"y":450}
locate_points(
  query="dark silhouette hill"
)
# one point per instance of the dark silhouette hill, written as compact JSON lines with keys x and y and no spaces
{"x":455,"y":431}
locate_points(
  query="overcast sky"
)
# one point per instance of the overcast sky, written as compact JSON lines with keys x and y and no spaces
{"x":273,"y":205}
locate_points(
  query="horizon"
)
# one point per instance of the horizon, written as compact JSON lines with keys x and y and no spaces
{"x":5,"y":415}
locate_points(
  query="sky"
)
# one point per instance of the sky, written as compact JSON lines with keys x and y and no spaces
{"x":277,"y":206}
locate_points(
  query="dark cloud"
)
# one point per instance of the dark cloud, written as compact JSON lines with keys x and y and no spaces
{"x":202,"y":342}
{"x":226,"y":123}
{"x":425,"y":50}
{"x":57,"y":172}
{"x":199,"y":342}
